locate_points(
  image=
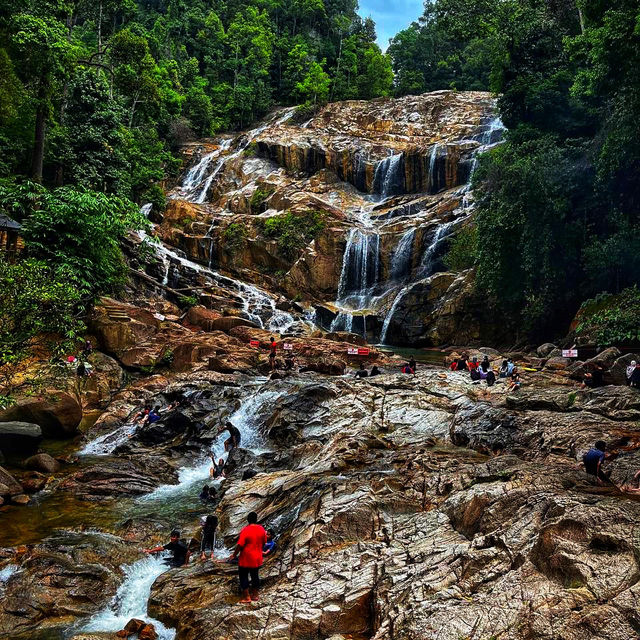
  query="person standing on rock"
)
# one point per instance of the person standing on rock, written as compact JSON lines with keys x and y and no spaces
{"x":177,"y":547}
{"x":273,"y":351}
{"x":233,"y":441}
{"x":630,"y":369}
{"x":634,"y":380}
{"x":250,"y":557}
{"x":208,"y":536}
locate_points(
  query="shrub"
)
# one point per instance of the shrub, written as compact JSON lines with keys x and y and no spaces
{"x":234,"y":236}
{"x":462,"y":249}
{"x":293,"y":231}
{"x":612,"y":319}
{"x":259,"y":197}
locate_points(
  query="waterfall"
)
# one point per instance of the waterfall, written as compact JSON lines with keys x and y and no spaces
{"x":105,"y":444}
{"x":401,"y":260}
{"x":388,"y":179}
{"x":493,"y":132}
{"x":360,"y":266}
{"x":131,"y":599}
{"x":392,"y":312}
{"x":433,"y":182}
{"x":426,"y":264}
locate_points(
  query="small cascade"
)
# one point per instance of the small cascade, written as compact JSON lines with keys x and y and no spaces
{"x":105,"y":444}
{"x":392,"y":312}
{"x":433,"y":178}
{"x":131,"y":599}
{"x":145,"y":209}
{"x":401,"y":260}
{"x":426,"y":263}
{"x":388,"y":179}
{"x":360,"y":266}
{"x":492,"y":134}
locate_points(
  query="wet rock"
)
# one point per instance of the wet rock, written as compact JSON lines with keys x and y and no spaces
{"x":58,"y":414}
{"x":42,"y":462}
{"x":23,"y":437}
{"x":20,"y":499}
{"x":139,"y":628}
{"x":13,"y":487}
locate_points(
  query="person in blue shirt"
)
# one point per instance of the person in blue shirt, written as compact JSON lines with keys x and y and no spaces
{"x":270,"y":545}
{"x":154,"y":415}
{"x":593,"y":460}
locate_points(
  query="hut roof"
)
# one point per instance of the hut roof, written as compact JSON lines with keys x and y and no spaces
{"x":7,"y":223}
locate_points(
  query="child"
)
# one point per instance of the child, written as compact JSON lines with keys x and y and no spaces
{"x":270,"y":545}
{"x":515,"y":383}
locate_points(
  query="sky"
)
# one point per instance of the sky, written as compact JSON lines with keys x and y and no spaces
{"x":391,"y":16}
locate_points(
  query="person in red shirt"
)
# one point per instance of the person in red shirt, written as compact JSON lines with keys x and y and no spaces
{"x":250,"y":544}
{"x":273,"y":349}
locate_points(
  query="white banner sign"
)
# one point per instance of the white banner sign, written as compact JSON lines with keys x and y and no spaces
{"x":287,"y":346}
{"x":569,"y":353}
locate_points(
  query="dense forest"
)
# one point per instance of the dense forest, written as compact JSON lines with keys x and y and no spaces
{"x":559,"y":202}
{"x":96,"y":98}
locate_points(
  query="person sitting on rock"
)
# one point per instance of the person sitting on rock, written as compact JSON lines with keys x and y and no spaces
{"x":375,"y":371}
{"x":362,"y":372}
{"x":250,"y":557}
{"x":289,"y":362}
{"x":504,"y":369}
{"x":454,"y":364}
{"x":510,"y":367}
{"x":154,"y":415}
{"x":485,"y":364}
{"x":178,"y":549}
{"x":515,"y":383}
{"x":595,"y":377}
{"x":142,"y":414}
{"x":270,"y":545}
{"x":473,"y":364}
{"x":593,"y":460}
{"x":234,"y":438}
{"x":208,"y":540}
{"x":462,"y":364}
{"x":273,"y":352}
{"x":490,"y":378}
{"x":408,"y":370}
{"x":413,"y":364}
{"x":217,"y":470}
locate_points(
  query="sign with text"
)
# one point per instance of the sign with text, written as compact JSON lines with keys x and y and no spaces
{"x":569,"y":353}
{"x":363,"y":351}
{"x":255,"y":343}
{"x":352,"y":351}
{"x":287,"y":346}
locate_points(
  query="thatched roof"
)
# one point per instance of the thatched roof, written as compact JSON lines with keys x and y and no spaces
{"x":8,"y":224}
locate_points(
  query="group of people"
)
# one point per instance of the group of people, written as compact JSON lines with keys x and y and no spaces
{"x":150,"y":414}
{"x":483,"y":370}
{"x":254,"y":543}
{"x":362,"y":372}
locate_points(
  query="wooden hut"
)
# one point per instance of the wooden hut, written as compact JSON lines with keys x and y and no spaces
{"x":9,"y":235}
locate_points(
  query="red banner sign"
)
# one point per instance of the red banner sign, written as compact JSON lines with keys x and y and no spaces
{"x":255,"y":343}
{"x":363,"y":351}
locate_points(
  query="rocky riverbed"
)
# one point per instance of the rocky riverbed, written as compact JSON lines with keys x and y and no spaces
{"x":405,"y":506}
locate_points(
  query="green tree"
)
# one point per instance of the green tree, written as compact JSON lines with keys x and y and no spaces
{"x":315,"y":86}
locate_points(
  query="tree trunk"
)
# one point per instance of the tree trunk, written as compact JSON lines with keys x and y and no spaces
{"x":100,"y":31}
{"x":581,"y":20}
{"x":37,"y":157}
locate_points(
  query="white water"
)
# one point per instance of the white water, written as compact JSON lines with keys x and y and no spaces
{"x":432,"y":167}
{"x":426,"y":263}
{"x":401,"y":260}
{"x":131,"y":599}
{"x":248,"y":421}
{"x":105,"y":444}
{"x":7,"y":572}
{"x":387,"y":180}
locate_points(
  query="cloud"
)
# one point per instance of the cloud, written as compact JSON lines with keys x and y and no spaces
{"x":391,"y":16}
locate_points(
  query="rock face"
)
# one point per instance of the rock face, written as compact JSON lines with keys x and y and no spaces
{"x":57,"y":414}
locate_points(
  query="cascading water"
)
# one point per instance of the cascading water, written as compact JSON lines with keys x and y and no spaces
{"x":433,"y":181}
{"x":426,"y":263}
{"x":105,"y":444}
{"x":388,"y":179}
{"x":131,"y":599}
{"x":401,"y":260}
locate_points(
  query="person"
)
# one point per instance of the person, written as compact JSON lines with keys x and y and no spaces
{"x":208,"y":540}
{"x":234,"y":438}
{"x":289,"y":362}
{"x":87,"y":350}
{"x":462,"y":364}
{"x":473,"y":364}
{"x":474,"y":374}
{"x":413,"y":364}
{"x":510,"y":367}
{"x":204,"y":494}
{"x":154,"y":415}
{"x":273,"y":349}
{"x":595,"y":377}
{"x":454,"y":364}
{"x":515,"y":383}
{"x":490,"y":378}
{"x":142,"y":414}
{"x":250,"y":557}
{"x":634,"y":381}
{"x":178,"y":549}
{"x":362,"y":372}
{"x":81,"y":370}
{"x":593,"y":460}
{"x":485,"y":364}
{"x":630,"y":369}
{"x":270,"y":545}
{"x":504,"y":369}
{"x":217,"y":470}
{"x":375,"y":371}
{"x":408,"y":370}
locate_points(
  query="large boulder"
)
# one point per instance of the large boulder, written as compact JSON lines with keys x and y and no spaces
{"x":42,"y":462}
{"x":545,"y":349}
{"x":617,"y":373}
{"x":58,"y":414}
{"x":19,"y":437}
